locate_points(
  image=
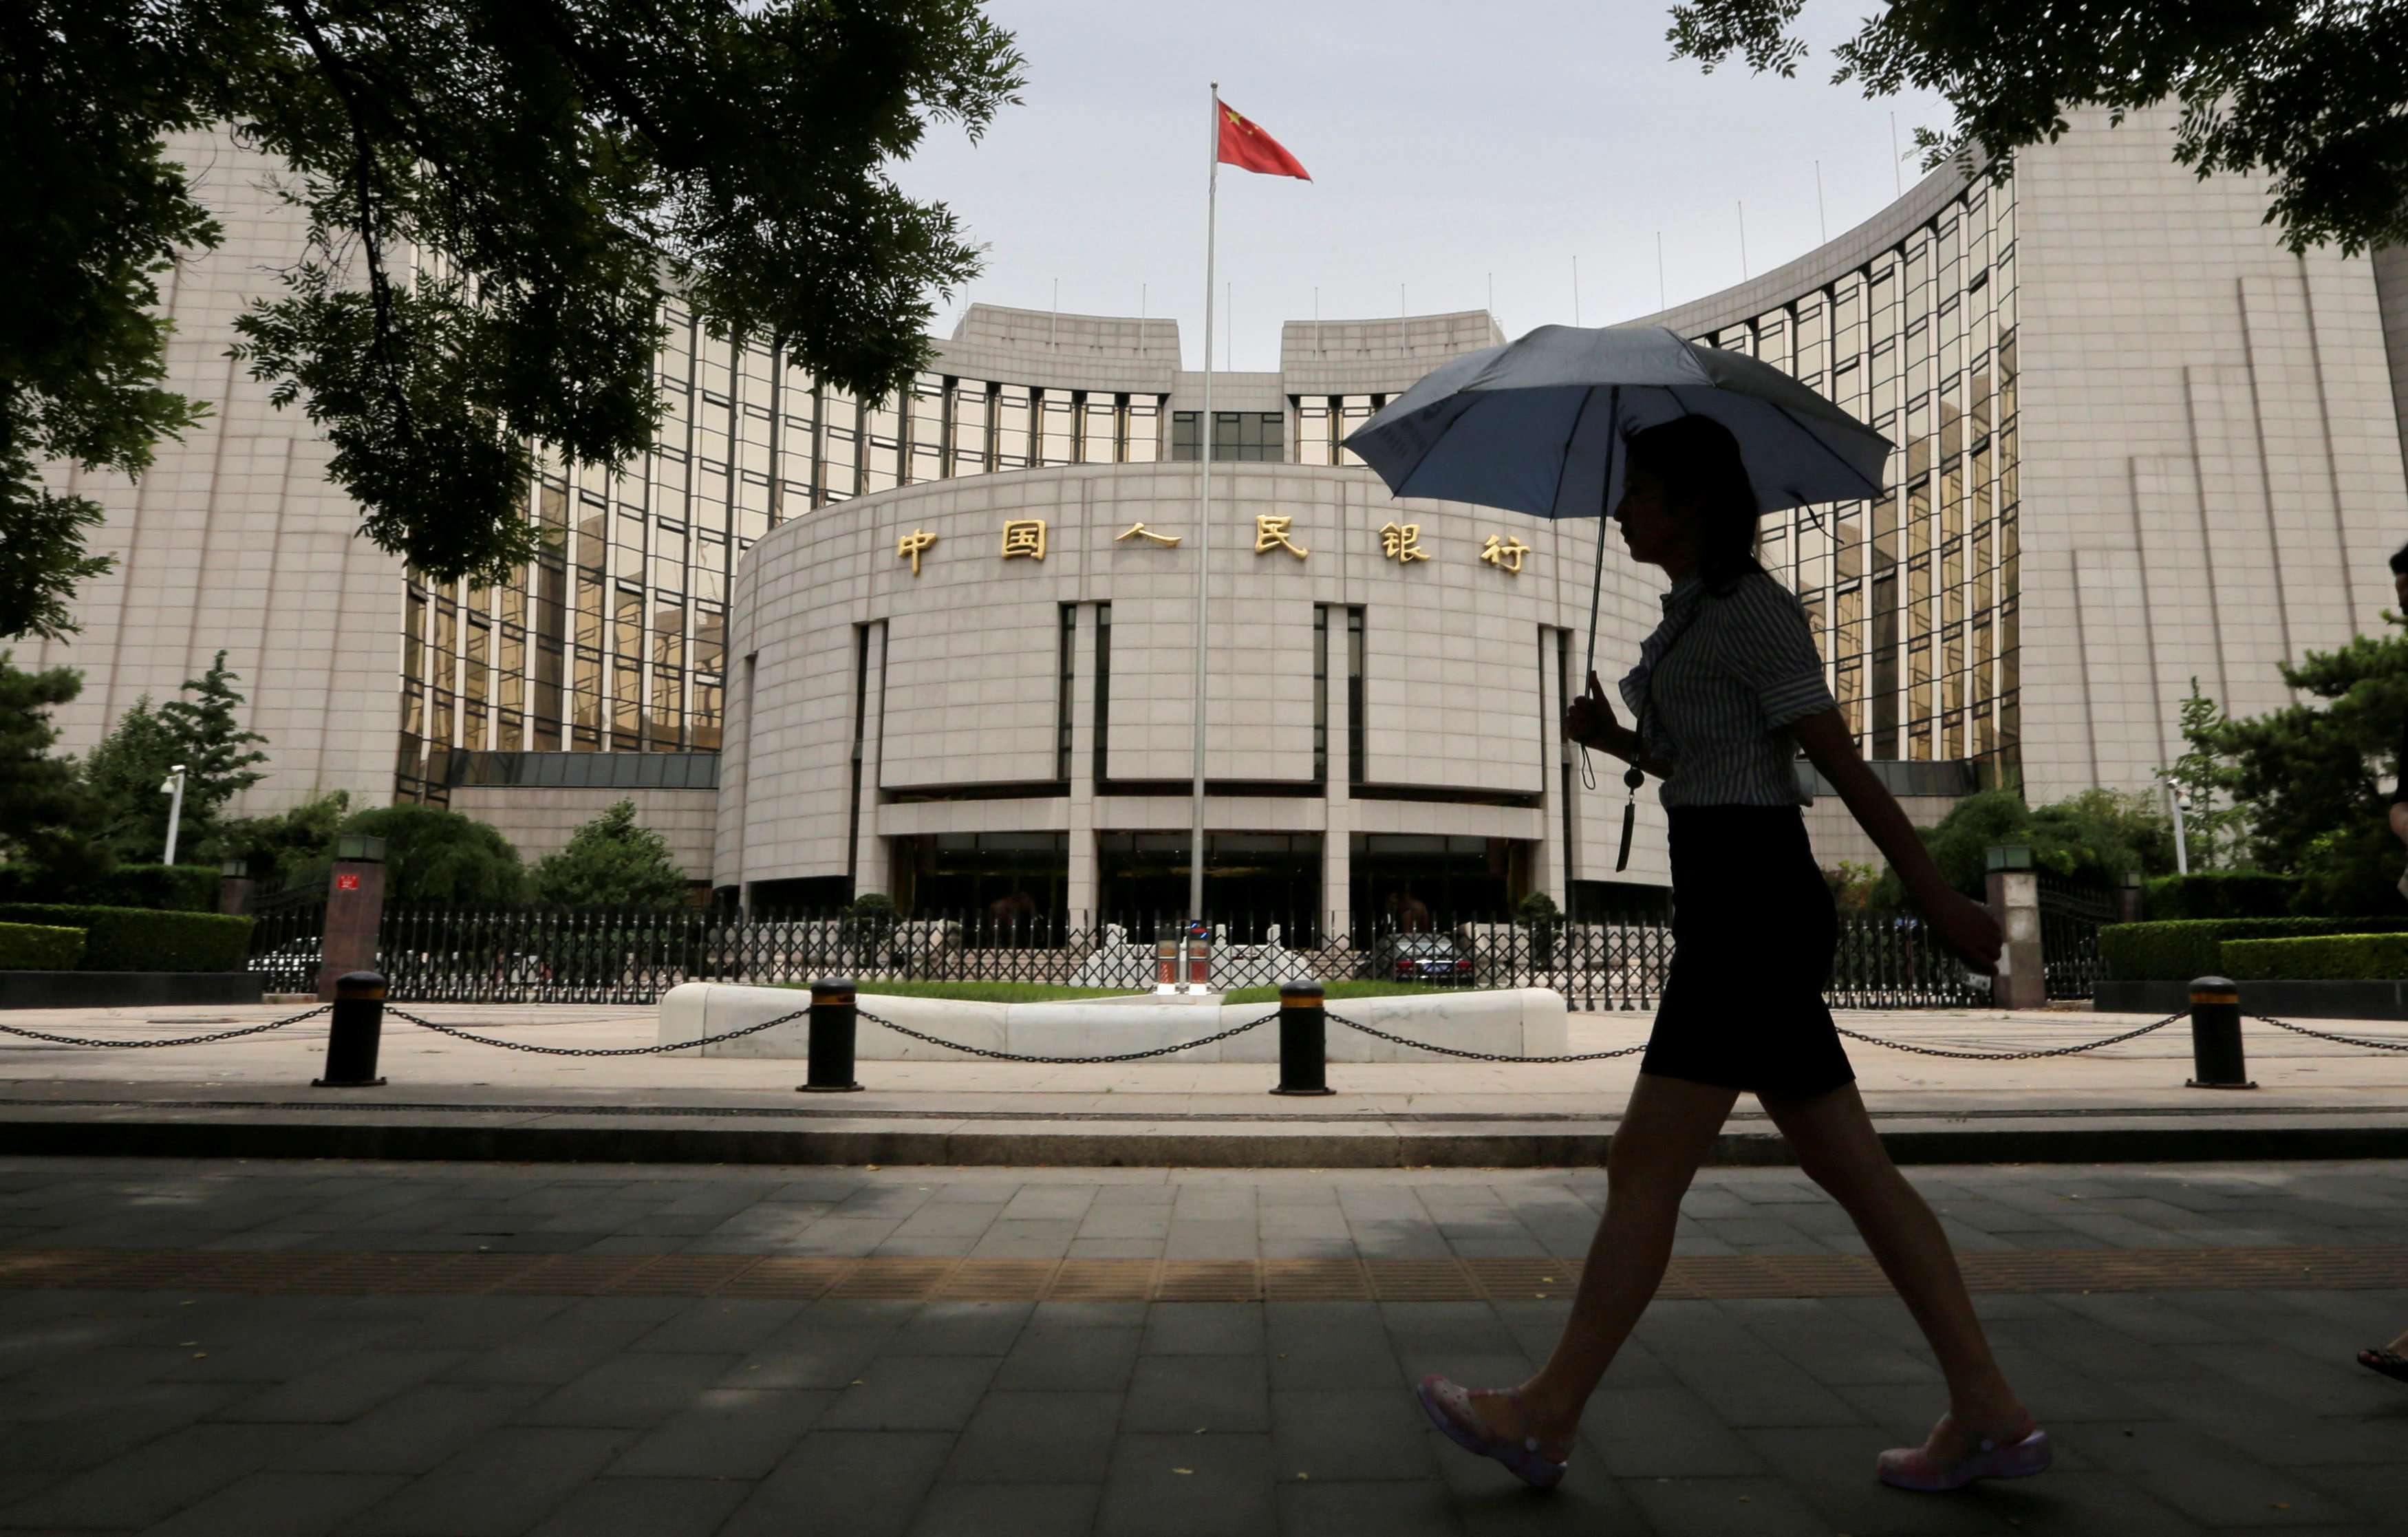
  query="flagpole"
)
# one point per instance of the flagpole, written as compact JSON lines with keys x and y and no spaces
{"x":1204,"y":511}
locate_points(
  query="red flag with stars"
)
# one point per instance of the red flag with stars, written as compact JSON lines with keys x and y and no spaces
{"x":1250,"y":148}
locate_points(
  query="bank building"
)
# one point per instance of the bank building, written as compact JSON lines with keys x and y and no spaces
{"x":942,"y":645}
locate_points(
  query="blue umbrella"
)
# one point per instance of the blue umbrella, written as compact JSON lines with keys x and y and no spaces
{"x":1536,"y":425}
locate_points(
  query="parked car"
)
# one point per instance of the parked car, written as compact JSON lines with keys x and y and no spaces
{"x":1435,"y":959}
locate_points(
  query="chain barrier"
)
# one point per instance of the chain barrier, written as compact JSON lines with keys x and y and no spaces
{"x":1068,"y":1061}
{"x":595,"y":1051}
{"x":1479,"y":1057}
{"x":2013,"y":1057}
{"x":167,"y":1041}
{"x":2338,"y":1040}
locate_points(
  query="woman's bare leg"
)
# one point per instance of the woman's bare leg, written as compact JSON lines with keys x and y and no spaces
{"x":1665,"y":1134}
{"x":1837,"y":1147}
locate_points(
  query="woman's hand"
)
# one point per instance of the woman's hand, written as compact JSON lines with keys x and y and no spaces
{"x":1968,"y":928}
{"x":1590,"y":721}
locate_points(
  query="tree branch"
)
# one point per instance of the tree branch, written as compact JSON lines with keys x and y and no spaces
{"x":363,"y":173}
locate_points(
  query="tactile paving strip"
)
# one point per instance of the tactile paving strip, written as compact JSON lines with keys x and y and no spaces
{"x":1336,"y":1279}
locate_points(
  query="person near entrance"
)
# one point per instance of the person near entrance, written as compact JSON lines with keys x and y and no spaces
{"x":1727,"y":690}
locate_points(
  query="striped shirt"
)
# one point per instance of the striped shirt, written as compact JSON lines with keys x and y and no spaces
{"x":1729,"y":673}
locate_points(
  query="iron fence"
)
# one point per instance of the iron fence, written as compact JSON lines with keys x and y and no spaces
{"x":441,"y":954}
{"x":2070,"y":916}
{"x":287,"y":931}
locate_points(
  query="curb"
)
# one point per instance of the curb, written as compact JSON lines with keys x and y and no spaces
{"x":206,"y":1137}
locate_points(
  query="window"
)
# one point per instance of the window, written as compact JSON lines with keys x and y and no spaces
{"x":1067,"y":668}
{"x":1238,"y":436}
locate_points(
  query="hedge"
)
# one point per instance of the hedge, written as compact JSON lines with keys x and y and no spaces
{"x":167,"y":888}
{"x":36,"y":947}
{"x":2221,"y":894}
{"x":2179,"y":951}
{"x":132,"y":939}
{"x":2350,"y":956}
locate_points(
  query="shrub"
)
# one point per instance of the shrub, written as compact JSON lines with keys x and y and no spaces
{"x":2181,"y":950}
{"x":435,"y":855}
{"x":38,"y":947}
{"x":167,"y":888}
{"x":2222,"y":894}
{"x":132,"y":939}
{"x":2349,"y":956}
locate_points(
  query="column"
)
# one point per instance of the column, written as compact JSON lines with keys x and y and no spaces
{"x":1338,"y":828}
{"x":1080,"y":884}
{"x":1547,"y":860}
{"x":872,"y":868}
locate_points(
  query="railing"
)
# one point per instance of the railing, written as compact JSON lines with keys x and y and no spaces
{"x":288,"y":926}
{"x":440,"y":954}
{"x":2070,"y":916}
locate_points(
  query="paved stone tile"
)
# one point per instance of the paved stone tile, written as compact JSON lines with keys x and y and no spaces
{"x":1662,"y":1432}
{"x":155,"y":1480}
{"x":1421,"y":1508}
{"x":727,"y":1433}
{"x":1038,"y":1438}
{"x":1069,"y":1358}
{"x":1351,"y":1434}
{"x":860,"y":1484}
{"x":1188,"y":1485}
{"x":503,"y":1482}
{"x":1215,"y":1394}
{"x":913,"y":1393}
{"x":1203,"y":1328}
{"x":719,"y":1325}
{"x":1729,"y":1507}
{"x":1007,"y":1509}
{"x":355,"y":1383}
{"x":2214,"y":1482}
{"x":961,"y":1329}
{"x":416,"y":1430}
{"x":280,"y":1504}
{"x":645,"y":1507}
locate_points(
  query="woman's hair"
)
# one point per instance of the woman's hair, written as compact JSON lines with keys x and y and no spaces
{"x":1697,"y":460}
{"x":2400,"y":561}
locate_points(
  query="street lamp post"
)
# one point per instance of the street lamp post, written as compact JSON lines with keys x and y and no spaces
{"x":2182,"y":840}
{"x":174,"y":790}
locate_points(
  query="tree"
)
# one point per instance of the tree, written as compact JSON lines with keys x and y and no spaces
{"x":612,"y":862}
{"x":2212,"y":834}
{"x":2096,"y":837}
{"x":2310,"y":774}
{"x":217,"y":767}
{"x":499,"y":197}
{"x":282,"y":846}
{"x":2313,"y":96}
{"x":436,"y":856}
{"x":123,"y":772}
{"x":48,"y":819}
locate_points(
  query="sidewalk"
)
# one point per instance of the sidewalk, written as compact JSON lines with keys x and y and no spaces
{"x":431,"y":1350}
{"x":450,"y":1098}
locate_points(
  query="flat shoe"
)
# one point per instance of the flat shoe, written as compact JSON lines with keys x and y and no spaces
{"x":2390,"y":1362}
{"x":1448,"y":1408}
{"x":1912,"y":1468}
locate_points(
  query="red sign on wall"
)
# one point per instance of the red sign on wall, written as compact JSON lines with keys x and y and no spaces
{"x":346,"y":882}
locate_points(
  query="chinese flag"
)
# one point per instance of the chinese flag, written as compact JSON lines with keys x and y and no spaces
{"x":1250,"y":148}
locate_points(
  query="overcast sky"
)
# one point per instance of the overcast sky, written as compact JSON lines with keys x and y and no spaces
{"x":1448,"y":143}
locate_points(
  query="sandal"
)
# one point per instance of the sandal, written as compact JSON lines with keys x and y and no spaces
{"x":1912,"y":1468}
{"x":2390,"y":1362}
{"x":1448,"y":1408}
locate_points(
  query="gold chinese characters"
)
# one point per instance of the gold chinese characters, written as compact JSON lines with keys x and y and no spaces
{"x":1403,"y":542}
{"x":1271,"y":533}
{"x":913,"y":545}
{"x":1504,"y":553}
{"x":1139,"y":531}
{"x":1023,"y":539}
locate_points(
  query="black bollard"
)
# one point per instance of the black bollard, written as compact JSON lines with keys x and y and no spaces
{"x":1304,"y":1062}
{"x":357,"y":1030}
{"x":833,"y":1021}
{"x":2215,"y":1035}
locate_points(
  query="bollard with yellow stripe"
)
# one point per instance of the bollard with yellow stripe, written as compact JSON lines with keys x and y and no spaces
{"x":2215,"y":1035}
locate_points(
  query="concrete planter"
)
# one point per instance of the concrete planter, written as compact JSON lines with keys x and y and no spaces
{"x":125,"y":989}
{"x":2303,"y":998}
{"x":1522,"y":1022}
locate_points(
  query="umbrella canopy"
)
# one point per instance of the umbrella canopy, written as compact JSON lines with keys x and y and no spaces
{"x":1535,"y":425}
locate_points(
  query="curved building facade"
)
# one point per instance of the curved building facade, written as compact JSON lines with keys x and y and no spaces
{"x":2140,"y":444}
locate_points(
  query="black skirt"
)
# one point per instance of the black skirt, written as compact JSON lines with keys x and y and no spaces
{"x":1753,"y":930}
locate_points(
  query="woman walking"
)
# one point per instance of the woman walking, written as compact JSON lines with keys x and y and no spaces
{"x":1727,"y":690}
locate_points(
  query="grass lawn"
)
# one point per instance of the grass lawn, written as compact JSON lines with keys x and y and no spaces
{"x":1333,"y":991}
{"x":982,"y":992}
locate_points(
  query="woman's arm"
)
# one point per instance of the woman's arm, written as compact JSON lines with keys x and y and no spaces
{"x":1590,"y":722}
{"x":1963,"y":925}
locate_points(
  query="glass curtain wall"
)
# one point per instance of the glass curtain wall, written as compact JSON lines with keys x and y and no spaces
{"x":615,"y":638}
{"x":1913,"y":595}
